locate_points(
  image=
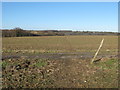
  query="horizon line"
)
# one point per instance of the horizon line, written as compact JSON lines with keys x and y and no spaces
{"x":91,"y":30}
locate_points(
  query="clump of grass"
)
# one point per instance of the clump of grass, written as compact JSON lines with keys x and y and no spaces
{"x":4,"y":64}
{"x":108,"y":64}
{"x":41,"y":63}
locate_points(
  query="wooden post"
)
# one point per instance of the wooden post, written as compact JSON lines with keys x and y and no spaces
{"x":97,"y":51}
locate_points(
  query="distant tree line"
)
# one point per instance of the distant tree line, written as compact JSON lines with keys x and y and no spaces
{"x":18,"y":32}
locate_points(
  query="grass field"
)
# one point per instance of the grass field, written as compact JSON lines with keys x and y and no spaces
{"x":60,"y":61}
{"x":60,"y":43}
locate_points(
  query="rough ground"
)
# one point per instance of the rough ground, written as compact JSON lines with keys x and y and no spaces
{"x":59,"y":70}
{"x":59,"y":61}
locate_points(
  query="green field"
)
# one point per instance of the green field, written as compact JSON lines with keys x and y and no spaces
{"x":60,"y":61}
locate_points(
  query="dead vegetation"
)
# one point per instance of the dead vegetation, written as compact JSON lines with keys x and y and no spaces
{"x":46,"y":65}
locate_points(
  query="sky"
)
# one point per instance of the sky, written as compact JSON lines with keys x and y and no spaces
{"x":76,"y":16}
{"x":60,"y":0}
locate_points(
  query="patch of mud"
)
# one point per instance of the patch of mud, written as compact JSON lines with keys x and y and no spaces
{"x":56,"y":56}
{"x":10,"y":56}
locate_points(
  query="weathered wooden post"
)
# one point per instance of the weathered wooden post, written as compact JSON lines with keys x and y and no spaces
{"x":97,"y":51}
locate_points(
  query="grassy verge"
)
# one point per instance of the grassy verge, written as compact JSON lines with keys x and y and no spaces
{"x":105,"y":74}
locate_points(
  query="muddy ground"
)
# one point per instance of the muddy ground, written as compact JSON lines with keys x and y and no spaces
{"x":59,"y":70}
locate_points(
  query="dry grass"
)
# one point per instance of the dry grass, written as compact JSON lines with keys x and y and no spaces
{"x":61,"y":43}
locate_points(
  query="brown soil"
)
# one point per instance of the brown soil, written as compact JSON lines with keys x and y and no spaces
{"x":61,"y":71}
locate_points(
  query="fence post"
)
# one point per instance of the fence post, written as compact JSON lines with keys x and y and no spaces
{"x":97,"y":51}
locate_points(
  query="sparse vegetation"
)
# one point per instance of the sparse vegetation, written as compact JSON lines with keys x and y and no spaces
{"x":41,"y":63}
{"x":59,"y":62}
